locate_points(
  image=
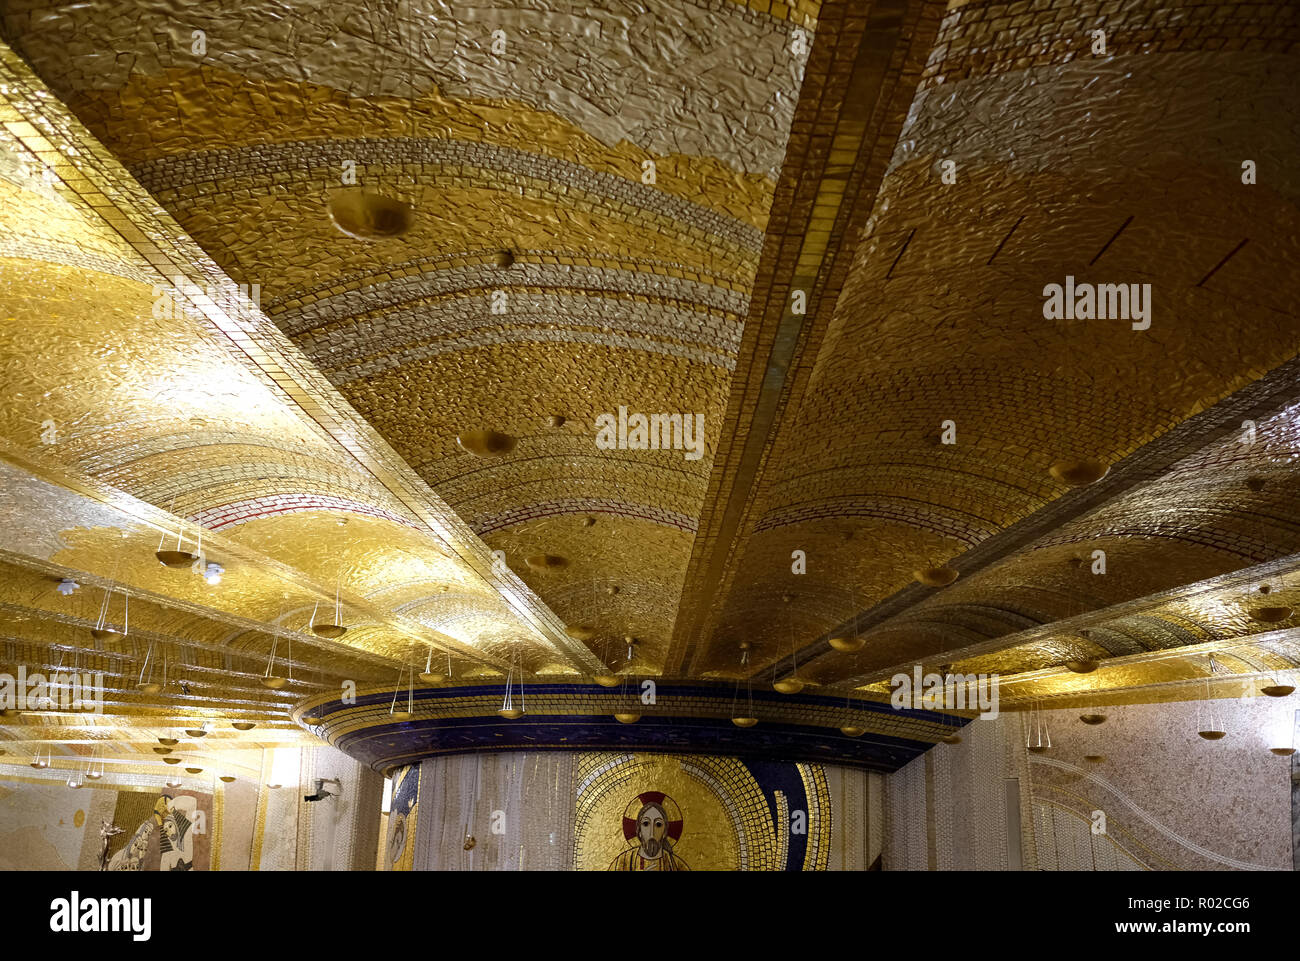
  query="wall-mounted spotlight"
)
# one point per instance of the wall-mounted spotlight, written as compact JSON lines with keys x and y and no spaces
{"x":213,"y":573}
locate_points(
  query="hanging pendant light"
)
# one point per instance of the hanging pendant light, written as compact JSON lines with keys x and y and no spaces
{"x":409,"y":711}
{"x":747,"y":719}
{"x":39,"y":763}
{"x":177,"y":558}
{"x":627,"y":717}
{"x":102,"y":629}
{"x":1097,"y":717}
{"x":1270,"y":613}
{"x":1211,"y":729}
{"x":791,"y":684}
{"x":430,"y":676}
{"x":242,"y":725}
{"x":1043,"y":742}
{"x":146,"y":684}
{"x":269,"y":677}
{"x":335,"y":630}
{"x":508,"y":709}
{"x":91,"y":773}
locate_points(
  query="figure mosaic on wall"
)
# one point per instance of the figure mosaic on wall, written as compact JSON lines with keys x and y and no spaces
{"x":652,"y":824}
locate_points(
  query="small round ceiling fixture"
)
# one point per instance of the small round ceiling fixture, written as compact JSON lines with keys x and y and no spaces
{"x":370,"y":216}
{"x":1272,"y":613}
{"x":1255,"y":483}
{"x":243,"y":725}
{"x":555,"y":420}
{"x":788,"y":685}
{"x":546,"y":562}
{"x":852,"y":730}
{"x":329,"y":631}
{"x":171,"y":760}
{"x":935,"y":576}
{"x":847,"y":644}
{"x":1277,"y":690}
{"x":1079,"y":473}
{"x":1213,"y":735}
{"x":1082,"y":667}
{"x":505,"y":257}
{"x":606,"y":680}
{"x":194,"y":770}
{"x":486,"y":443}
{"x":627,"y":718}
{"x":176,"y":560}
{"x":744,"y":721}
{"x":1282,"y":751}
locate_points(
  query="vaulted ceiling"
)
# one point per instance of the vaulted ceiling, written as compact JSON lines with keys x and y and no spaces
{"x":827,"y":229}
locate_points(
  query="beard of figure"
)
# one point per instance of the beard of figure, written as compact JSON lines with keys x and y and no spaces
{"x":650,"y":847}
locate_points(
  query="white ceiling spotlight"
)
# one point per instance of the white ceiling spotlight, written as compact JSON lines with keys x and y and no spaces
{"x":67,"y":587}
{"x":212,"y":574}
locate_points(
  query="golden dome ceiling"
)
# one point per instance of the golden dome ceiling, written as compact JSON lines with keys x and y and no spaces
{"x":826,"y":229}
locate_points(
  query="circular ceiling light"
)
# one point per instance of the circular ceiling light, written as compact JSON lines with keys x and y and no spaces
{"x":171,"y":760}
{"x":196,"y":732}
{"x":369,"y":216}
{"x":486,"y":443}
{"x":505,"y":257}
{"x":546,"y":562}
{"x":176,"y":560}
{"x":1082,"y":667}
{"x":744,"y":721}
{"x":788,"y":685}
{"x":935,"y":576}
{"x":1079,"y":473}
{"x":1271,"y":615}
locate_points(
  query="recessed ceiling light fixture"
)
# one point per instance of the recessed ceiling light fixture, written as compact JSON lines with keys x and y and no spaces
{"x":486,"y":443}
{"x":370,"y":216}
{"x":1079,"y":473}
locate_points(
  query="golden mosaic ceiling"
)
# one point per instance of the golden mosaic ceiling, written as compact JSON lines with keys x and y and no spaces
{"x":618,"y":206}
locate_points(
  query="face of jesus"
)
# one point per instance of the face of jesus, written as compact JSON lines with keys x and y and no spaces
{"x":651,"y":827}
